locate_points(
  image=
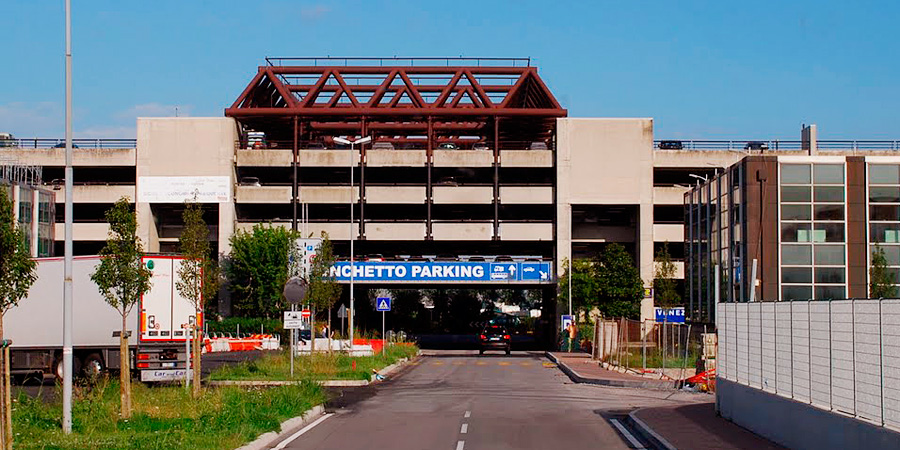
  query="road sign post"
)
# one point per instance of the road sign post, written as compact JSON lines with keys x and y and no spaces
{"x":294,"y":292}
{"x":383,"y":304}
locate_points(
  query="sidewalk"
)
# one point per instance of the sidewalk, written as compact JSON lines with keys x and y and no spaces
{"x":695,"y":427}
{"x":691,"y":426}
{"x":581,"y":369}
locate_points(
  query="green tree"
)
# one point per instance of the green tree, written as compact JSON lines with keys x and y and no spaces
{"x":17,"y":274}
{"x":881,"y":279}
{"x":324,"y":290}
{"x":585,"y":286}
{"x":122,"y":279}
{"x":619,"y":284}
{"x":197,"y":275}
{"x":665,"y":291}
{"x":257,"y":270}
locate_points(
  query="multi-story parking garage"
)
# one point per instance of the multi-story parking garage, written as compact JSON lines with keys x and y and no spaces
{"x":469,"y":160}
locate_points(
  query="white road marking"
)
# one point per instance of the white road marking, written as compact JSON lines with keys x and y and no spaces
{"x":464,"y":429}
{"x":290,"y":438}
{"x":468,"y":414}
{"x":631,"y":439}
{"x":460,"y":445}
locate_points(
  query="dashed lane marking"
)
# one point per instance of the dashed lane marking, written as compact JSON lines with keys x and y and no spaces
{"x":468,"y":414}
{"x":437,"y":363}
{"x":464,"y":429}
{"x":480,"y":363}
{"x":503,"y":363}
{"x":460,"y":445}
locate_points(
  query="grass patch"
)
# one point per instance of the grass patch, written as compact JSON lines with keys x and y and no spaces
{"x":164,"y":417}
{"x":654,"y":360}
{"x":321,"y":366}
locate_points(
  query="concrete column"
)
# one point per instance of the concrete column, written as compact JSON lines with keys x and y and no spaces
{"x":147,"y":231}
{"x":35,"y":207}
{"x":644,"y":252}
{"x":226,"y":226}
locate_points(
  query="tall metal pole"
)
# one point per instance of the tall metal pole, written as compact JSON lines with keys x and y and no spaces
{"x":352,"y":267}
{"x":67,"y":283}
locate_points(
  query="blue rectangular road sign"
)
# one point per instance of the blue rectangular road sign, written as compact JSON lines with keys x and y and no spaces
{"x":383,"y":304}
{"x":670,"y":315}
{"x":435,"y":271}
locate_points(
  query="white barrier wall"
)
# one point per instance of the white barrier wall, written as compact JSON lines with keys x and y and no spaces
{"x":840,"y":356}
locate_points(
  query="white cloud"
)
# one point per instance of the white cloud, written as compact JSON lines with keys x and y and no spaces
{"x":41,"y":119}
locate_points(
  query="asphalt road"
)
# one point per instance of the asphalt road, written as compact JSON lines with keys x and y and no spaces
{"x":459,"y":400}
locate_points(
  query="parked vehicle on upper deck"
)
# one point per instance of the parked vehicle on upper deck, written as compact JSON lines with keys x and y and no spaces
{"x":671,"y":145}
{"x":448,"y":146}
{"x":7,"y":140}
{"x":756,"y":145}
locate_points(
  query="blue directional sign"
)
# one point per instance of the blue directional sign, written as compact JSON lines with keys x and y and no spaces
{"x":433,"y":271}
{"x":383,"y":304}
{"x":670,"y":315}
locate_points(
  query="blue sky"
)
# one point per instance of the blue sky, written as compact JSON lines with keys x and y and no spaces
{"x":701,"y":69}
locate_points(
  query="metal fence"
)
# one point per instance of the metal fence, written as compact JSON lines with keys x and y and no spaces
{"x":775,"y":145}
{"x":61,"y":143}
{"x":842,"y":356}
{"x":667,"y":350}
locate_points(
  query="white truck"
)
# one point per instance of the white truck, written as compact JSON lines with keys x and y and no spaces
{"x":157,"y":350}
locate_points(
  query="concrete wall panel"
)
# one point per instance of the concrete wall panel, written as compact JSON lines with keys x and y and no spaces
{"x":395,"y":158}
{"x":526,"y":158}
{"x":468,"y":231}
{"x":542,"y":195}
{"x":510,"y":231}
{"x":395,"y":194}
{"x":463,"y":194}
{"x":395,"y":231}
{"x":463,"y":158}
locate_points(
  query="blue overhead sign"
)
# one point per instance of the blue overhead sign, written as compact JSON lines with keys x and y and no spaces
{"x":428,"y":271}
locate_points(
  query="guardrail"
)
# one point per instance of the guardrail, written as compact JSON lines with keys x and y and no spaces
{"x":775,"y":145}
{"x":61,"y":143}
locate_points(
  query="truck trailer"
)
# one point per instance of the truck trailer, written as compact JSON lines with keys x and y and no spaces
{"x":157,"y":324}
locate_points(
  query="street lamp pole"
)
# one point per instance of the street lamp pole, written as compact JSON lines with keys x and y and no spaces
{"x":67,"y":246}
{"x":353,"y":162}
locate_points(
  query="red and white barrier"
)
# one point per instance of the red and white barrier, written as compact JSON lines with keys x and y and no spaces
{"x":241,"y":344}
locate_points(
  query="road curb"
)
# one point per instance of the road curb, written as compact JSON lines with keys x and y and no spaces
{"x":324,"y":383}
{"x":578,"y":378}
{"x":269,"y":439}
{"x":647,"y":433}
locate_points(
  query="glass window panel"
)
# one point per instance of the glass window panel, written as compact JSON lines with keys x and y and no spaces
{"x":884,"y":174}
{"x":828,"y":232}
{"x":887,"y":233}
{"x":892,"y":254}
{"x":796,"y":232}
{"x":829,"y":194}
{"x":796,"y":255}
{"x":796,"y":275}
{"x":830,"y":292}
{"x":828,"y":174}
{"x":795,"y":194}
{"x":795,"y":212}
{"x":796,"y":293}
{"x":829,"y":212}
{"x":795,"y":174}
{"x":830,"y":275}
{"x":829,"y":255}
{"x":884,"y":212}
{"x":884,"y":194}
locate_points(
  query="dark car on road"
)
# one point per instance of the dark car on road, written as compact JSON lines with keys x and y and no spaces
{"x":671,"y":145}
{"x":494,"y":337}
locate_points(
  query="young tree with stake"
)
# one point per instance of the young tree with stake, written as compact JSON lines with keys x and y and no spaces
{"x":324,"y":291}
{"x":197,"y":275}
{"x":122,"y":279}
{"x":17,"y":274}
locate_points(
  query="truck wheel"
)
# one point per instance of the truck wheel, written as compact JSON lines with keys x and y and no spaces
{"x":58,"y":366}
{"x":93,"y":366}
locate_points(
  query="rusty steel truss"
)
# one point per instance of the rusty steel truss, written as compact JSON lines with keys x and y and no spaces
{"x":488,"y":101}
